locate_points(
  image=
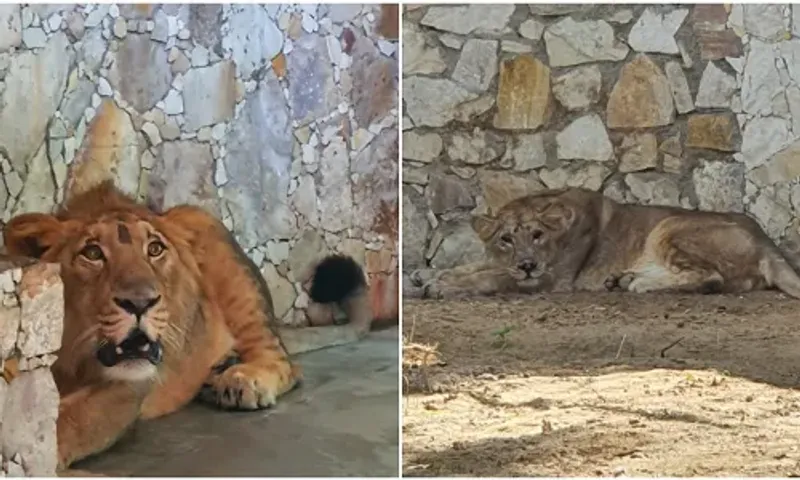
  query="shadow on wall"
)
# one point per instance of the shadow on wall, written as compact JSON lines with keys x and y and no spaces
{"x":280,"y":119}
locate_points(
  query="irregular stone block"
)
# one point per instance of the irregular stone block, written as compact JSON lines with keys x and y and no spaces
{"x":41,"y":76}
{"x":209,"y":95}
{"x":719,"y":186}
{"x":29,"y":423}
{"x":258,"y":164}
{"x":141,"y":72}
{"x":464,"y":20}
{"x":713,"y":131}
{"x":434,"y":102}
{"x":10,"y":26}
{"x":41,"y":296}
{"x":523,"y":95}
{"x":641,"y":98}
{"x":571,"y":43}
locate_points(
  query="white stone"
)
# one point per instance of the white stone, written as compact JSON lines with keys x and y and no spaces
{"x":679,"y":86}
{"x":252,"y":39}
{"x":790,"y":52}
{"x":421,"y":147}
{"x":104,"y":88}
{"x":448,"y":39}
{"x":418,"y":57}
{"x":386,"y":47}
{"x":309,"y":24}
{"x":655,"y":31}
{"x":96,"y":16}
{"x":716,"y":88}
{"x":200,"y":56}
{"x":765,"y":21}
{"x":54,"y":22}
{"x":531,"y":29}
{"x":173,"y":103}
{"x":477,"y":65}
{"x":529,"y":152}
{"x":433,"y":102}
{"x":10,"y":26}
{"x":220,"y":174}
{"x":585,"y":139}
{"x":762,"y":138}
{"x":463,"y":20}
{"x":796,"y":19}
{"x":151,"y":132}
{"x":793,"y":100}
{"x":761,"y":79}
{"x":218,"y":132}
{"x":578,"y":88}
{"x":515,"y":47}
{"x":571,"y":43}
{"x":34,"y":37}
{"x":621,"y":16}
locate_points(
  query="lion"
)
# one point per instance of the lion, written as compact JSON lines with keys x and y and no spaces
{"x":159,"y":306}
{"x":573,"y":239}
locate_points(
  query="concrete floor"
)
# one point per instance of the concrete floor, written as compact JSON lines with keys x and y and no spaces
{"x":343,"y":421}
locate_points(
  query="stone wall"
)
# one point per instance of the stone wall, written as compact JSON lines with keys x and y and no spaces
{"x":31,"y":314}
{"x":281,"y":120}
{"x":686,"y":105}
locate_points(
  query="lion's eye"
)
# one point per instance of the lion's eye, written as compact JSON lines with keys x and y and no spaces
{"x":156,"y":248}
{"x":506,"y":238}
{"x":537,"y":234}
{"x":93,"y":253}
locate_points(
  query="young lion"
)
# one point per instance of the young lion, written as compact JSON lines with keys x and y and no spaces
{"x":153,"y":303}
{"x":574,"y":239}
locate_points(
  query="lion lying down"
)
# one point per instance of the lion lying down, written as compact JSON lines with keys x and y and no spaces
{"x":156,"y":305}
{"x":574,"y":239}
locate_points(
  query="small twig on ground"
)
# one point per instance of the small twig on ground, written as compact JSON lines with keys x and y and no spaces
{"x":619,"y":350}
{"x":664,"y":350}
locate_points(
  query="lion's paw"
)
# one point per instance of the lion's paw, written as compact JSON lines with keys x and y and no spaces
{"x":244,"y":387}
{"x":440,"y":291}
{"x":619,"y":281}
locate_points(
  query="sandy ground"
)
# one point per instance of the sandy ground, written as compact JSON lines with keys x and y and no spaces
{"x":608,"y":384}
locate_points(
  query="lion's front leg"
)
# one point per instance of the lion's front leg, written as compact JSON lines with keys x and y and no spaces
{"x":92,"y":419}
{"x":263,"y":373}
{"x":470,"y":281}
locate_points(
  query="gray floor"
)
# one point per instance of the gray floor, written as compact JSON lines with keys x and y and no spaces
{"x":343,"y":421}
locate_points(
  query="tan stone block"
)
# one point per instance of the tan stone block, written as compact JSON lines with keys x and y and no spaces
{"x":523,"y":95}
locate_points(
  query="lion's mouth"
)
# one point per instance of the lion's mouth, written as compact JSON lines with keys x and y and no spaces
{"x":137,"y":346}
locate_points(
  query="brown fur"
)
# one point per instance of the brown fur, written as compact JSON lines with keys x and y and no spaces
{"x":213,"y":304}
{"x":574,"y":239}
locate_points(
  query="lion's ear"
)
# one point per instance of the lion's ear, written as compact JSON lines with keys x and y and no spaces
{"x":558,"y":216}
{"x":32,"y":234}
{"x":485,"y":226}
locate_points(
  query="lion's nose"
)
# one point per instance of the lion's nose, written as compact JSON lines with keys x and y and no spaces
{"x":527,"y":266}
{"x":137,"y":306}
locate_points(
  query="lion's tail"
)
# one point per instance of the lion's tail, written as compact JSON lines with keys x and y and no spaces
{"x":337,"y":279}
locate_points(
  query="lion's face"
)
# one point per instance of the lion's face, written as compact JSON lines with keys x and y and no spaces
{"x":527,"y":236}
{"x":126,"y":289}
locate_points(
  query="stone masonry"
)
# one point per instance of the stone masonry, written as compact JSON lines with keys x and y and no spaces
{"x":282,"y":120}
{"x":30,"y":333}
{"x":687,"y":105}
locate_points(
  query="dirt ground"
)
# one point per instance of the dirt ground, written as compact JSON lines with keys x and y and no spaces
{"x":603,"y":384}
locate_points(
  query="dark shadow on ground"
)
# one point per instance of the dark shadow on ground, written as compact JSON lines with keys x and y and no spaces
{"x":755,"y":336}
{"x":341,"y":422}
